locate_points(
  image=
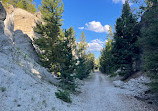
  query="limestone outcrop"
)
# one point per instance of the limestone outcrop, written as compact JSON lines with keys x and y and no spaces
{"x":24,"y":84}
{"x":2,"y":18}
{"x":23,"y":20}
{"x":5,"y":42}
{"x":16,"y":50}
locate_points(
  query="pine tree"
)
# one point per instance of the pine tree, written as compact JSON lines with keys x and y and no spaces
{"x":82,"y":45}
{"x":97,"y":64}
{"x":149,"y":44}
{"x":106,"y":58}
{"x":68,"y":63}
{"x":125,"y":49}
{"x":91,"y":62}
{"x":82,"y":69}
{"x":106,"y":64}
{"x":51,"y":33}
{"x":22,"y":4}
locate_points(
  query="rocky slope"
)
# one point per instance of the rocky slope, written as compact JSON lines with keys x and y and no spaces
{"x":137,"y":85}
{"x":24,"y":84}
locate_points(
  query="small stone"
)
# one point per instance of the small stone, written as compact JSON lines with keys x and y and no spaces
{"x":150,"y":102}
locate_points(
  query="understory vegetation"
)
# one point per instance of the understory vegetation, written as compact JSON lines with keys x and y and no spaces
{"x":133,"y":46}
{"x":27,"y":5}
{"x":63,"y":95}
{"x":59,"y":50}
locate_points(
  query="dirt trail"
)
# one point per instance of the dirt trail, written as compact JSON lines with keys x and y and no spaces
{"x":99,"y":94}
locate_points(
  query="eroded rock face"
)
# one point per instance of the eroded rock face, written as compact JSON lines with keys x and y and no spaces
{"x":5,"y":42}
{"x":9,"y":22}
{"x":2,"y":18}
{"x":22,"y":20}
{"x":16,"y":50}
{"x":2,"y":12}
{"x":24,"y":43}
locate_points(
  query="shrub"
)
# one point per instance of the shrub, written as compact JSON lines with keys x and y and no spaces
{"x":3,"y":89}
{"x":68,"y":86}
{"x":63,"y":95}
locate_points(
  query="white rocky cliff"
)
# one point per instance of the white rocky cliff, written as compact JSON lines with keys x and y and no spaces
{"x":24,"y":84}
{"x":27,"y":86}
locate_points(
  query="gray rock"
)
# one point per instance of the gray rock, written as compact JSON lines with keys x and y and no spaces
{"x":18,"y":56}
{"x":2,"y":18}
{"x":24,"y":43}
{"x":118,"y":83}
{"x":1,"y":27}
{"x":2,"y":12}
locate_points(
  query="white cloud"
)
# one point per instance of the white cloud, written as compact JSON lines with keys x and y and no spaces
{"x":96,"y":45}
{"x":97,"y":41}
{"x":96,"y":27}
{"x":81,"y":28}
{"x":116,"y":1}
{"x":123,"y":1}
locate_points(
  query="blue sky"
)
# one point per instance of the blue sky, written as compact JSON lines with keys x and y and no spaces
{"x":92,"y":17}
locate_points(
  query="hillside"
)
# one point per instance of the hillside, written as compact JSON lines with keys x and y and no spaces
{"x":22,"y":79}
{"x":27,"y":86}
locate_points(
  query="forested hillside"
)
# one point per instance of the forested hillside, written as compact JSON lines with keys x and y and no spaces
{"x":59,"y":51}
{"x":48,"y":66}
{"x":57,"y":48}
{"x":133,"y":46}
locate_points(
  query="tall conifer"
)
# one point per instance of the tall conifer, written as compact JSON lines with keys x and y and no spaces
{"x":125,"y":49}
{"x":51,"y":33}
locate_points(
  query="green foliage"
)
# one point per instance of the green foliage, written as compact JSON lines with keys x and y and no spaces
{"x":3,"y":89}
{"x":91,"y":61}
{"x":82,"y":46}
{"x":149,"y":44}
{"x":70,"y":86}
{"x":82,"y":68}
{"x":85,"y":61}
{"x":50,"y":42}
{"x":125,"y":48}
{"x":57,"y":47}
{"x":122,"y":52}
{"x":97,"y":64}
{"x":154,"y":87}
{"x":68,"y":60}
{"x":106,"y":58}
{"x":63,"y":95}
{"x":28,"y":5}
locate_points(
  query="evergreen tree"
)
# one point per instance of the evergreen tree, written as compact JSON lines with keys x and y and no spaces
{"x":149,"y":44}
{"x":106,"y":63}
{"x":125,"y":50}
{"x":97,"y":64}
{"x":106,"y":58}
{"x":68,"y":63}
{"x":49,"y":43}
{"x":82,"y":44}
{"x":91,"y":62}
{"x":82,"y":69}
{"x":22,"y":4}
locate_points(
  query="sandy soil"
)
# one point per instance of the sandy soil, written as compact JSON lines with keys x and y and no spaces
{"x":99,"y":94}
{"x":24,"y":93}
